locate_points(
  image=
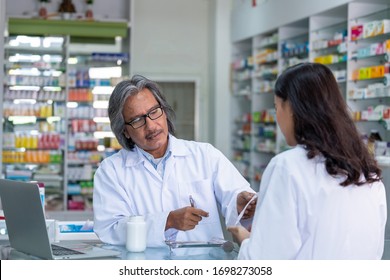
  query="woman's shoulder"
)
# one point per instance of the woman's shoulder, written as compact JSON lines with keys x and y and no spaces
{"x":291,"y":155}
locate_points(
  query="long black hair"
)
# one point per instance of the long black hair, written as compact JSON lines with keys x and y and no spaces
{"x":323,"y":124}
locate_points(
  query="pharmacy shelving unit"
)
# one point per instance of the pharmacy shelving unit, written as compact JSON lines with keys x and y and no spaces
{"x":329,"y":42}
{"x":91,"y":80}
{"x":241,"y":87}
{"x":55,"y":95}
{"x":265,"y":56}
{"x":353,"y":40}
{"x":34,"y":127}
{"x":294,"y":44}
{"x":368,"y":89}
{"x":294,"y":49}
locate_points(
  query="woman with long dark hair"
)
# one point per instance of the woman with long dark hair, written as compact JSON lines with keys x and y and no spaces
{"x":324,"y":198}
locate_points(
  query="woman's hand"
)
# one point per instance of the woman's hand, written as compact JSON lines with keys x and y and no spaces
{"x":239,"y":234}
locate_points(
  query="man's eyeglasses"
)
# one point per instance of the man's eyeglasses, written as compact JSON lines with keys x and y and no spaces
{"x":141,"y":121}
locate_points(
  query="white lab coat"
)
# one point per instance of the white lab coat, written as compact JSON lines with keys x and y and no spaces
{"x":127,"y":184}
{"x":303,"y":213}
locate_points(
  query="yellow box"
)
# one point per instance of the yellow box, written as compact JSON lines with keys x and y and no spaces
{"x":387,"y":46}
{"x":320,"y":59}
{"x":377,"y":71}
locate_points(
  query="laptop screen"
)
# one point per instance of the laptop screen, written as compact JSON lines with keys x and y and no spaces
{"x":24,"y":217}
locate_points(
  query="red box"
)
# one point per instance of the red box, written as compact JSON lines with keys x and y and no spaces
{"x":356,"y":32}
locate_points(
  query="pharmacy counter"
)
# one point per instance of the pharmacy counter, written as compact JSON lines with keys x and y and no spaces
{"x":163,"y":253}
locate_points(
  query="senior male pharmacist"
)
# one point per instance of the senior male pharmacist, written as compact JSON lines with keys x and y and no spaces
{"x":177,"y":185}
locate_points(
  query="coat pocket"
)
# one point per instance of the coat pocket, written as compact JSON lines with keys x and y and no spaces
{"x":202,"y":193}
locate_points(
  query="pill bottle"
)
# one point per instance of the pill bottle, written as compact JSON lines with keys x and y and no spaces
{"x":136,"y":234}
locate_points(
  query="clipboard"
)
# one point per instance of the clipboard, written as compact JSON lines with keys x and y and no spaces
{"x":226,"y":245}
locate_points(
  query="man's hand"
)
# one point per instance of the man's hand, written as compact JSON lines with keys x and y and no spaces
{"x":242,"y":199}
{"x":186,"y":218}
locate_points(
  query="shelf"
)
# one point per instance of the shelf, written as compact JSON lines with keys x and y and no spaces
{"x":330,"y":49}
{"x":369,"y":98}
{"x":370,"y":80}
{"x":331,"y":28}
{"x":296,"y":55}
{"x":384,"y":56}
{"x":74,"y":28}
{"x":32,"y":163}
{"x":335,"y":64}
{"x":31,"y":51}
{"x":377,"y":38}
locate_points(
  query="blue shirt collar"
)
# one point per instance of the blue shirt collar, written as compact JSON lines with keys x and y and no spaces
{"x":155,"y":162}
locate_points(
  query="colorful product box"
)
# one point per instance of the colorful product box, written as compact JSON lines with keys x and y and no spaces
{"x":319,"y":59}
{"x":355,"y":75}
{"x":364,"y":73}
{"x":382,"y":26}
{"x":376,"y":49}
{"x":356,"y":32}
{"x":387,"y":46}
{"x":363,"y":52}
{"x":386,"y":68}
{"x":369,"y":29}
{"x":386,"y":113}
{"x":377,"y":71}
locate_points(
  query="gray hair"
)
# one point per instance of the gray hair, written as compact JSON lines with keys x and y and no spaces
{"x":117,"y":101}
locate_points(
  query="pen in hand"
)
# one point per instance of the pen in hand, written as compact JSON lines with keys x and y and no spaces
{"x":192,"y":201}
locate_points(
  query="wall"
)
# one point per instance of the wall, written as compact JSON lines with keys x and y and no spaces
{"x":248,"y":21}
{"x":171,"y":41}
{"x":222,"y":96}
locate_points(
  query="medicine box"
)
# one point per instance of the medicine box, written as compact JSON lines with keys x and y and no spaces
{"x":356,"y":32}
{"x":357,"y":93}
{"x":376,"y":49}
{"x":370,"y":93}
{"x":355,"y":75}
{"x":364,"y":73}
{"x":387,"y":46}
{"x":363,"y":52}
{"x":382,"y":26}
{"x":369,"y":29}
{"x":377,"y":71}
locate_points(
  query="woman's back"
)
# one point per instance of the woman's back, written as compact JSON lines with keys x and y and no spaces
{"x":304,"y":213}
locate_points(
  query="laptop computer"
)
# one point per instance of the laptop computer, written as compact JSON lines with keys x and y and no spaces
{"x":26,"y":226}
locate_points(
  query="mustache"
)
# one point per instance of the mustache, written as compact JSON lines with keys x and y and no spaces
{"x":152,"y":134}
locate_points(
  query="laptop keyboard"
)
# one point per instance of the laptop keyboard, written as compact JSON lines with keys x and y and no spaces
{"x":61,"y":251}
